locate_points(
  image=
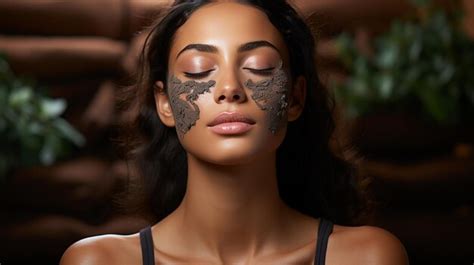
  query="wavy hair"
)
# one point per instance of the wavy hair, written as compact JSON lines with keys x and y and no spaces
{"x":311,"y":177}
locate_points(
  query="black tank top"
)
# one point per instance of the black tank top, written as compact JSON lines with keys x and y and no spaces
{"x":324,"y":230}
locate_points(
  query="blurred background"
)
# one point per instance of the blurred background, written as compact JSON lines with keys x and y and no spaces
{"x":403,"y":72}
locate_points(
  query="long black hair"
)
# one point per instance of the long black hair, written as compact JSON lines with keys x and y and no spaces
{"x":311,"y":178}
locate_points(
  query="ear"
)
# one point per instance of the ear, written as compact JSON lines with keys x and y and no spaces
{"x":297,"y":99}
{"x":163,"y":107}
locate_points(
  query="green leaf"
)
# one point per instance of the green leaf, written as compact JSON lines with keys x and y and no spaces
{"x":69,"y":132}
{"x":415,"y":49}
{"x":31,"y":130}
{"x":51,"y":108}
{"x":35,"y":127}
{"x":388,"y":57}
{"x":423,"y":65}
{"x":437,"y":105}
{"x":50,"y":149}
{"x":20,"y":96}
{"x":385,"y":84}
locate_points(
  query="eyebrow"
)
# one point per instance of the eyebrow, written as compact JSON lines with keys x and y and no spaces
{"x":199,"y":47}
{"x":242,"y":48}
{"x":256,"y":44}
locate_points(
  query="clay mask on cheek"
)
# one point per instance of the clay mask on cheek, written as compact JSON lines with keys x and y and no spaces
{"x":185,"y":111}
{"x":271,"y":95}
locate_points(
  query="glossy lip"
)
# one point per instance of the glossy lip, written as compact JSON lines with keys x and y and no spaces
{"x":231,"y":128}
{"x":231,"y":123}
{"x":231,"y":117}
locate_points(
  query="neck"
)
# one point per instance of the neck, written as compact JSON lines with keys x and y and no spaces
{"x":231,"y":211}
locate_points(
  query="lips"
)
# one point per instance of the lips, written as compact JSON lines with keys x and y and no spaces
{"x":230,"y":117}
{"x":231,"y":123}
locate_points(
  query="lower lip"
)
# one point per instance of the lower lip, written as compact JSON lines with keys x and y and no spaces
{"x":231,"y":128}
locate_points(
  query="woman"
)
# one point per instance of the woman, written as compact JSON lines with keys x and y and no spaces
{"x":232,"y":140}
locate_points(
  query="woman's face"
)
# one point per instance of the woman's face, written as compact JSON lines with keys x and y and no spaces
{"x":227,"y":59}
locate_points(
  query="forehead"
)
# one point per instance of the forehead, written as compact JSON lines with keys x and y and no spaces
{"x":227,"y":25}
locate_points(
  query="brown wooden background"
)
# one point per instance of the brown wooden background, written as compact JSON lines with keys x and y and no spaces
{"x":85,"y":50}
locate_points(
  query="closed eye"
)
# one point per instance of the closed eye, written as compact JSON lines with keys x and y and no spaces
{"x":199,"y":75}
{"x":264,"y":71}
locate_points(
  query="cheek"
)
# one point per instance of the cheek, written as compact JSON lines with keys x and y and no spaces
{"x":271,"y":95}
{"x":183,"y":96}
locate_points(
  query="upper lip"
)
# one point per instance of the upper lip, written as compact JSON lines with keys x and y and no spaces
{"x":231,"y":117}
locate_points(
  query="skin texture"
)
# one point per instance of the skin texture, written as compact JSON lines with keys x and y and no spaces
{"x":272,"y":95}
{"x":185,"y":110}
{"x":232,"y":212}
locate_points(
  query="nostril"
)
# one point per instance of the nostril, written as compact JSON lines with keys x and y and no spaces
{"x":234,"y":97}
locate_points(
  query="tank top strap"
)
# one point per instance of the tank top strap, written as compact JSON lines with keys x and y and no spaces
{"x":325,"y":229}
{"x":146,"y":243}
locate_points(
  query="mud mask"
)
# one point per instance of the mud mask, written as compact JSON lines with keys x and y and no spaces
{"x":271,"y":95}
{"x":185,"y":111}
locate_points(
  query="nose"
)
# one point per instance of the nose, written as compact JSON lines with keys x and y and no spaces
{"x":229,"y":89}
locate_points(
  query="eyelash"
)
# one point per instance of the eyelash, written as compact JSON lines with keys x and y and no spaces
{"x":197,"y":75}
{"x":263,"y":72}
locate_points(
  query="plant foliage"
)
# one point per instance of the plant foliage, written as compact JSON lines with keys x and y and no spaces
{"x":423,"y":67}
{"x":31,"y":129}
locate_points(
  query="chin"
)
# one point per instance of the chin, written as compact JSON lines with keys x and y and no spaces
{"x":234,"y":151}
{"x":231,"y":152}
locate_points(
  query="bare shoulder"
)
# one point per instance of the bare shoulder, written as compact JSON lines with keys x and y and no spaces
{"x":369,"y":245}
{"x":104,"y":249}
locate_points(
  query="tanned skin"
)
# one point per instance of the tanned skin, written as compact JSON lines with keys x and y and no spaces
{"x":231,"y":212}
